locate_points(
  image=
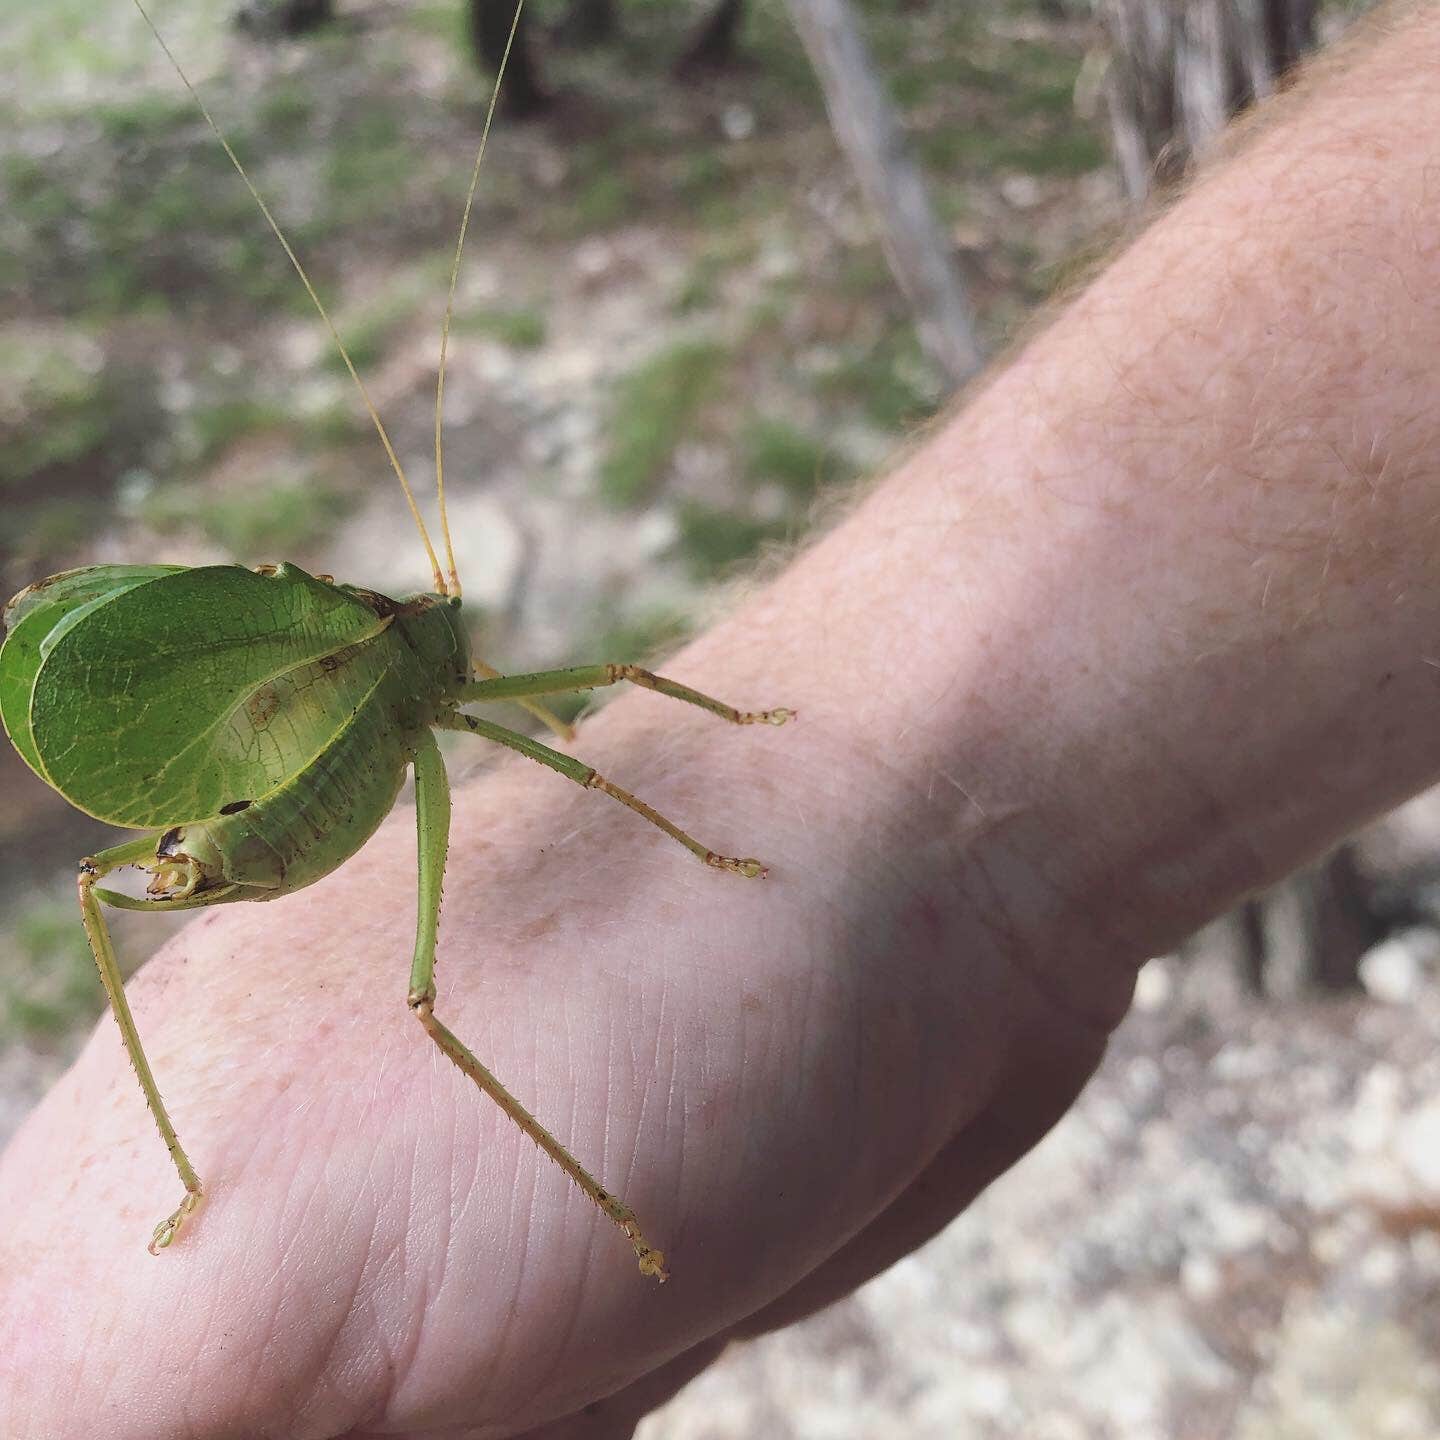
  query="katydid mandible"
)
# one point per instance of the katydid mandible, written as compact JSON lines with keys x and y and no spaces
{"x":258,"y":725}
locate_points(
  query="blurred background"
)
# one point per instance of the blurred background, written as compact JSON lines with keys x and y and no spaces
{"x":703,"y":236}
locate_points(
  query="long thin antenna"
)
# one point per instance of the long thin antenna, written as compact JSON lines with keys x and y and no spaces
{"x":315,"y":298}
{"x":454,"y":579}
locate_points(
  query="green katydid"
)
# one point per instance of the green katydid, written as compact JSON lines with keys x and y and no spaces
{"x":258,"y":726}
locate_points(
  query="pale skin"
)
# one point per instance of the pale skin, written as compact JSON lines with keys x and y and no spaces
{"x":1148,"y":623}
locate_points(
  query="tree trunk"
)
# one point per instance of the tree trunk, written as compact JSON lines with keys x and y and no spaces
{"x":712,"y":46}
{"x":270,"y":19}
{"x":1179,"y":69}
{"x":1341,"y":920}
{"x":590,"y":22}
{"x":865,"y":125}
{"x":523,"y":92}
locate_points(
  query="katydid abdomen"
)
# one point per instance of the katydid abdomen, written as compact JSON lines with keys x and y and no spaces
{"x":306,"y":827}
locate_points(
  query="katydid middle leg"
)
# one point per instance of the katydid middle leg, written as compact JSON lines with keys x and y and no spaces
{"x":591,"y":779}
{"x":432,"y":810}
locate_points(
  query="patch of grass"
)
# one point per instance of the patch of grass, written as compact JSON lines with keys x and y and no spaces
{"x":779,"y":453}
{"x":520,"y":327}
{"x":60,"y":525}
{"x":1065,"y":153}
{"x":54,"y":409}
{"x":865,"y":275}
{"x":714,"y":540}
{"x":606,"y":196}
{"x":655,"y":406}
{"x":700,"y":287}
{"x":732,"y":247}
{"x":890,"y":381}
{"x":368,"y":333}
{"x":274,"y":521}
{"x":338,"y":423}
{"x":704,"y":173}
{"x":367,"y":170}
{"x":33,"y":195}
{"x":638,"y":639}
{"x":210,"y":430}
{"x":146,"y":121}
{"x":784,"y":76}
{"x":50,"y":986}
{"x":250,"y":265}
{"x":286,"y":112}
{"x":286,"y":517}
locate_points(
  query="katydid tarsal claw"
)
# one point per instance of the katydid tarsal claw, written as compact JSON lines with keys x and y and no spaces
{"x":292,"y":709}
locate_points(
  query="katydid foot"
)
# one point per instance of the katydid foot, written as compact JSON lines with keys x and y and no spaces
{"x":652,"y":1261}
{"x":750,"y":868}
{"x":167,"y":1230}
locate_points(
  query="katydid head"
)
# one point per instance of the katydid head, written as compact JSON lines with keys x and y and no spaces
{"x":434,"y":628}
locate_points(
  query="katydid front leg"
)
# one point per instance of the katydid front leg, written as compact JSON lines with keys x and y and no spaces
{"x":594,"y":677}
{"x":562,"y":729}
{"x":93,"y":868}
{"x":432,"y":811}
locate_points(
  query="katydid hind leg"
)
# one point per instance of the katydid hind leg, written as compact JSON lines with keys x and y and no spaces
{"x":432,"y":809}
{"x":97,"y":933}
{"x":586,"y":775}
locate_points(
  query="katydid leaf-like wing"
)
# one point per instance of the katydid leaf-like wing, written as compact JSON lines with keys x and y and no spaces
{"x":36,"y":618}
{"x":199,"y":689}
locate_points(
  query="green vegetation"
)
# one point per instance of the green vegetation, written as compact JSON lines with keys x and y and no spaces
{"x":54,"y":406}
{"x":48,"y":982}
{"x":639,"y":639}
{"x":274,"y":520}
{"x":368,"y":332}
{"x":655,"y":406}
{"x":286,"y":112}
{"x":890,"y":381}
{"x":209,"y":430}
{"x":779,"y":453}
{"x":55,"y":526}
{"x":520,"y":327}
{"x":714,"y":538}
{"x":283,"y":517}
{"x":368,"y":168}
{"x":146,"y":121}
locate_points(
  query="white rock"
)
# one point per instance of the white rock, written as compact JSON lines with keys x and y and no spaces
{"x":1200,"y":1277}
{"x":1395,"y":969}
{"x":737,"y":122}
{"x":1417,"y":1147}
{"x":1154,"y":986}
{"x":1380,"y":1266}
{"x":1021,"y":192}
